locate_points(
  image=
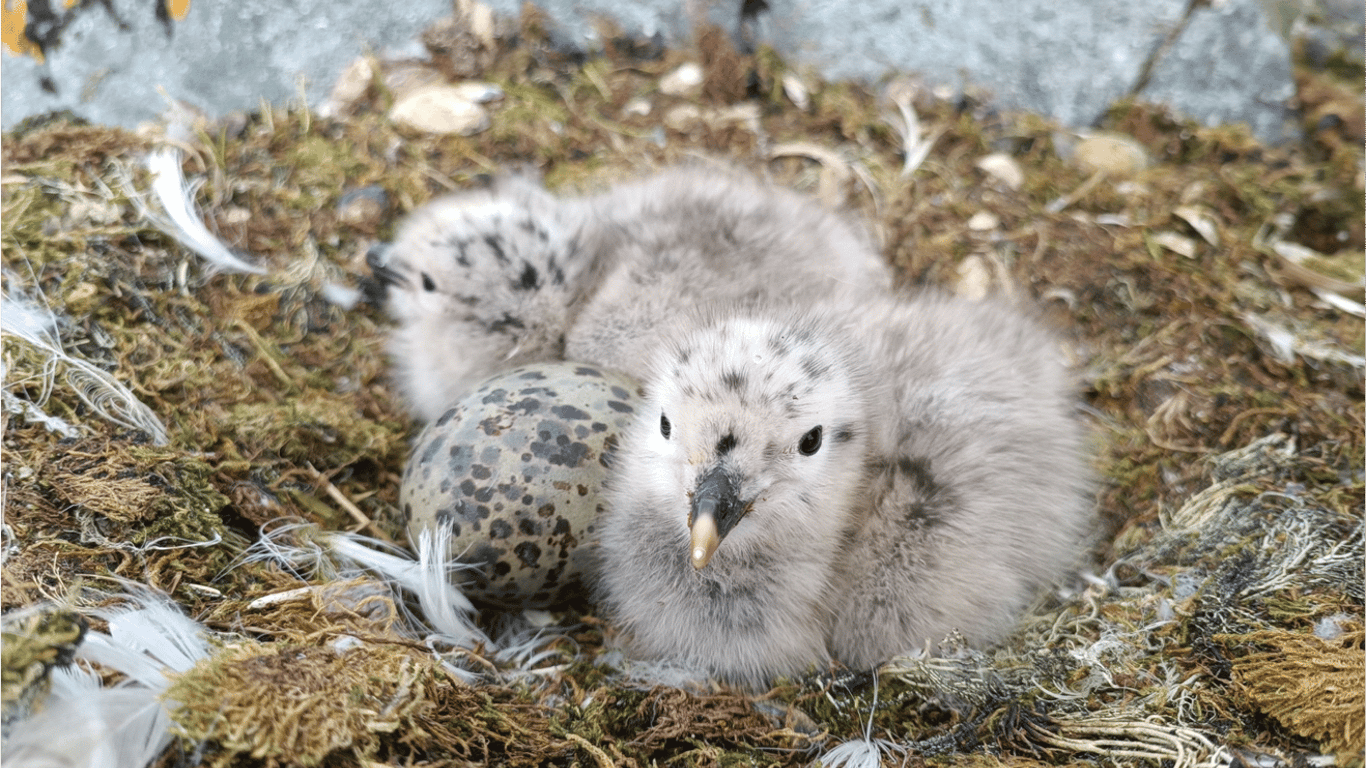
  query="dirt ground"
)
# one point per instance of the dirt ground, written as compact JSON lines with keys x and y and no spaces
{"x":1209,"y":289}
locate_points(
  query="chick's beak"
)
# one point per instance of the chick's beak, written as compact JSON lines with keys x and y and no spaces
{"x":715,"y":511}
{"x":377,"y":258}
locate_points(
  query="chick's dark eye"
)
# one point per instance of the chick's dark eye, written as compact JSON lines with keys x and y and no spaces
{"x":427,"y":284}
{"x":664,"y":426}
{"x":811,"y":442}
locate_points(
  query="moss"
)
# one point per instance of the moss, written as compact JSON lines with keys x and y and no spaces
{"x":32,"y":647}
{"x":297,"y":705}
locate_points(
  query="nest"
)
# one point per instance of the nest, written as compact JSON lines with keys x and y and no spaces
{"x":158,"y":417}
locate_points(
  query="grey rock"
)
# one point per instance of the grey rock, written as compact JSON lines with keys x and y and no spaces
{"x":1327,"y":29}
{"x":1228,"y":66}
{"x":1067,"y":60}
{"x":220,"y":57}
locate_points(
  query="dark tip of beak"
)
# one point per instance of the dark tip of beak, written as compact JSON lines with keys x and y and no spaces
{"x":716,"y":509}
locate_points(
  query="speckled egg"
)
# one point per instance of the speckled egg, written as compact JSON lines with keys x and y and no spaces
{"x":515,"y":471}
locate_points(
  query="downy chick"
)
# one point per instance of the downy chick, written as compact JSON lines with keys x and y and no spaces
{"x":483,"y":281}
{"x":850,"y":482}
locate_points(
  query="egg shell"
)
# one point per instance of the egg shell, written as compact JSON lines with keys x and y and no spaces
{"x":515,"y":470}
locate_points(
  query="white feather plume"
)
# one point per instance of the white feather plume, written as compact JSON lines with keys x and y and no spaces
{"x":447,"y":615}
{"x":180,"y":220}
{"x":866,"y":752}
{"x":127,"y":725}
{"x":97,"y":388}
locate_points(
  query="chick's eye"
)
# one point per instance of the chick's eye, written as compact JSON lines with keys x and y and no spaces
{"x":427,"y":283}
{"x":811,"y":442}
{"x":664,"y":426}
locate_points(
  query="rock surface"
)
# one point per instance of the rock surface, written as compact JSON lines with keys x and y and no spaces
{"x":109,"y":67}
{"x":1221,"y":62}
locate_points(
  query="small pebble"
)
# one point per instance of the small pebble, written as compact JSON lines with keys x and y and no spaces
{"x":439,"y":109}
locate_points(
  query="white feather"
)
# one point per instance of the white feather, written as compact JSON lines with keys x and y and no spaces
{"x":32,"y":414}
{"x":447,"y":616}
{"x":162,"y":636}
{"x":176,"y":197}
{"x":126,"y":725}
{"x":343,"y":296}
{"x":97,"y":388}
{"x":866,"y":752}
{"x":447,"y":609}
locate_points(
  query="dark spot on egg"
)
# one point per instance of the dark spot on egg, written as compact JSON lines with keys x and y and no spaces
{"x":609,"y":451}
{"x":528,"y":553}
{"x":525,"y":405}
{"x":499,"y":529}
{"x":570,"y":412}
{"x":431,"y":450}
{"x":458,"y":459}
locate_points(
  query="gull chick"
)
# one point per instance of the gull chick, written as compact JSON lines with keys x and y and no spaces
{"x":478,"y":282}
{"x":844,"y":482}
{"x":482,"y":281}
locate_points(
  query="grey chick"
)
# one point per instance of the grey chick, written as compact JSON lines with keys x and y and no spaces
{"x":695,"y":237}
{"x":480,"y":281}
{"x":850,"y":482}
{"x":484,"y":281}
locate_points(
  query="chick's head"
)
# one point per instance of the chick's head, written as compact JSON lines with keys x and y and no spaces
{"x":755,"y":436}
{"x":478,"y":281}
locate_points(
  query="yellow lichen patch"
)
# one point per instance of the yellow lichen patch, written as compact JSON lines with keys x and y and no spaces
{"x":178,"y":9}
{"x":14,"y":18}
{"x":1316,"y":688}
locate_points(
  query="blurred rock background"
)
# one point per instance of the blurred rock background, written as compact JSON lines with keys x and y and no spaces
{"x":1217,"y":61}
